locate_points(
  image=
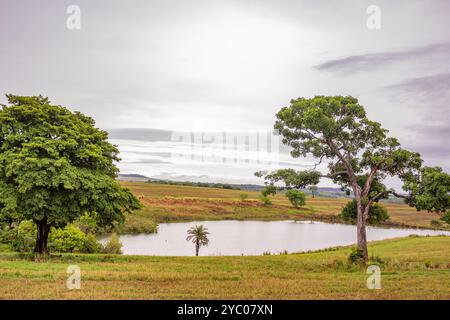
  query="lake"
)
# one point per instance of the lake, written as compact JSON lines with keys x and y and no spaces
{"x":232,"y":237}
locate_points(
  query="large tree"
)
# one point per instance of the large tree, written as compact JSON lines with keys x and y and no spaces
{"x":359,"y":154}
{"x":55,"y":165}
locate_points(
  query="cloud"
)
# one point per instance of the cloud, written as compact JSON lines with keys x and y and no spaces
{"x":370,"y":61}
{"x":434,"y":87}
{"x":431,"y":96}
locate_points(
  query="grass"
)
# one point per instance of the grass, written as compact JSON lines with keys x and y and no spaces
{"x":171,"y":203}
{"x":412,"y":268}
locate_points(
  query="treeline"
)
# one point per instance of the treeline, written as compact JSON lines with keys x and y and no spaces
{"x":196,"y":184}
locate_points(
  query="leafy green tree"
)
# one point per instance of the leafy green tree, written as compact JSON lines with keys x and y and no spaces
{"x":199,"y":236}
{"x":56,"y":166}
{"x":358,"y":151}
{"x":296,"y":197}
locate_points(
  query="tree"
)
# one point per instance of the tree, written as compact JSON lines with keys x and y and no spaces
{"x":296,"y":197}
{"x":428,"y":190}
{"x":199,"y":236}
{"x":358,"y":151}
{"x":313,"y":190}
{"x":56,"y":166}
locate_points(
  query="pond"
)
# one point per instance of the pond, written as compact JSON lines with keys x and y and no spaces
{"x":255,"y":237}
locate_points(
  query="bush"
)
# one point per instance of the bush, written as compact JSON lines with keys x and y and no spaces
{"x":20,"y":238}
{"x":91,"y":244}
{"x":113,"y":246}
{"x":377,"y":213}
{"x":88,"y":223}
{"x":243,"y":196}
{"x":297,"y":198}
{"x":69,"y":239}
{"x":265,"y":200}
{"x":446,"y":217}
{"x":356,"y":256}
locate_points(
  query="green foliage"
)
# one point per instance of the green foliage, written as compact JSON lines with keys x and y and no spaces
{"x":89,"y":223}
{"x":446,"y":217}
{"x":296,"y":197}
{"x":72,"y":239}
{"x":265,"y":200}
{"x":91,"y":244}
{"x":55,"y":166}
{"x":377,"y":213}
{"x":113,"y":246}
{"x":19,"y":238}
{"x":356,"y":255}
{"x":291,"y":178}
{"x":68,"y":239}
{"x":269,"y":190}
{"x":430,"y":190}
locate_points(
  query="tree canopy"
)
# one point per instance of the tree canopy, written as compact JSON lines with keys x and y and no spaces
{"x":55,"y":166}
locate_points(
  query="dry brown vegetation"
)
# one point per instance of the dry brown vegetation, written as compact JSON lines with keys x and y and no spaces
{"x":181,"y":203}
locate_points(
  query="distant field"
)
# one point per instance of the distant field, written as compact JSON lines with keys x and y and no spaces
{"x":411,"y":268}
{"x":164,"y":203}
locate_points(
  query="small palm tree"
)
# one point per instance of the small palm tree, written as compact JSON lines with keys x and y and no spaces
{"x":199,"y":236}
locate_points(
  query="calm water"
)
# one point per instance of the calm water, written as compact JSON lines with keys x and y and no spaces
{"x":255,"y":237}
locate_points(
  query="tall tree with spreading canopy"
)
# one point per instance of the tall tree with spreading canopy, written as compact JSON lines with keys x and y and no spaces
{"x":55,"y":165}
{"x":359,"y":154}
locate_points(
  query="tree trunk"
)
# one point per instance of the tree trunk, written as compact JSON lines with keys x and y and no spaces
{"x":197,"y":248}
{"x":361,"y":229}
{"x":43,"y":229}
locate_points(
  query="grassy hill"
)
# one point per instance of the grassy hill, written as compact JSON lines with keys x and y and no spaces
{"x":170,"y":203}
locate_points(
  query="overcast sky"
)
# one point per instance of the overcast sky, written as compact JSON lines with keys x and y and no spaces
{"x":206,"y":65}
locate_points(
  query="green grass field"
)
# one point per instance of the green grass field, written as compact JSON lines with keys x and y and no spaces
{"x":411,"y":268}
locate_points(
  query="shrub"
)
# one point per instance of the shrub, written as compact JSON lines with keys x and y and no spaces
{"x":446,"y":217}
{"x":297,"y":198}
{"x":136,"y":223}
{"x":91,"y":244}
{"x":265,"y":200}
{"x":243,"y":196}
{"x":356,"y":256}
{"x":88,"y":223}
{"x":113,"y":246}
{"x":20,"y":238}
{"x":377,"y":212}
{"x":69,"y":239}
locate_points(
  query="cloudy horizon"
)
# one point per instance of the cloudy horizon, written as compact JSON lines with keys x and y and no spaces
{"x":145,"y":68}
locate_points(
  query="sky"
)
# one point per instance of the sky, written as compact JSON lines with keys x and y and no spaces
{"x":155,"y":74}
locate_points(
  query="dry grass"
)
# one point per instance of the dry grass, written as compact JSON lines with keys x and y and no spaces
{"x":412,"y":268}
{"x":181,"y":203}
